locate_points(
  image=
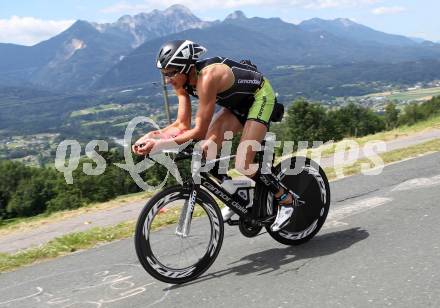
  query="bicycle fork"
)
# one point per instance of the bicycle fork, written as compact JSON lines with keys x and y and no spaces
{"x":184,"y":225}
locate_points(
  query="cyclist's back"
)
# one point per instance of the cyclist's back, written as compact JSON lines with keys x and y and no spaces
{"x":241,"y":95}
{"x":247,"y":80}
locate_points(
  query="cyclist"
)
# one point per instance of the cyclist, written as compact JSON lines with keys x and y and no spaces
{"x":244,"y":93}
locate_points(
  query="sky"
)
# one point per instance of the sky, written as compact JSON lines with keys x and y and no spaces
{"x":28,"y":22}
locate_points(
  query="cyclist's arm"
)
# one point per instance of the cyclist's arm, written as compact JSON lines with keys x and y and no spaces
{"x":182,"y":122}
{"x":207,"y":92}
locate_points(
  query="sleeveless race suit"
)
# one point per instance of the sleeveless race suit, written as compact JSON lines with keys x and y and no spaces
{"x":251,"y":96}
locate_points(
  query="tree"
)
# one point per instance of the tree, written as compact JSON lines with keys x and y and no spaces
{"x":308,"y":122}
{"x":391,"y":115}
{"x":70,"y":199}
{"x":412,"y":114}
{"x":29,"y":199}
{"x":430,"y":108}
{"x":11,"y":174}
{"x":354,"y":121}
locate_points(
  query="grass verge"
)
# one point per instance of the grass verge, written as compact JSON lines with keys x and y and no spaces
{"x":87,"y":239}
{"x":388,"y":157}
{"x":402,"y":131}
{"x":72,"y":242}
{"x":29,"y":223}
{"x":64,"y":245}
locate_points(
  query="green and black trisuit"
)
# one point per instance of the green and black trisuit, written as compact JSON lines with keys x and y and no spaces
{"x":251,"y":97}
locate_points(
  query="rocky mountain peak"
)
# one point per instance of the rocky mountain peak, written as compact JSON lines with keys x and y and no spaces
{"x":236,"y":15}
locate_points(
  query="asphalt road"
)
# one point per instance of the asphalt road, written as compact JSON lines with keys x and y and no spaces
{"x":379,"y":247}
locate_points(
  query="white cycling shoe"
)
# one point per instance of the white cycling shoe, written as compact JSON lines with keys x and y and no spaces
{"x":285,"y":211}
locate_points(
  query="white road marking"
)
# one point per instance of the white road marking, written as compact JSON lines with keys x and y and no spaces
{"x":39,"y":291}
{"x":115,"y":285}
{"x":335,"y":216}
{"x":418,"y":183}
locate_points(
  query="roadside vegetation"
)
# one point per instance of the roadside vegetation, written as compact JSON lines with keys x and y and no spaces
{"x":401,"y":131}
{"x":305,"y":121}
{"x":23,"y":224}
{"x":64,"y":245}
{"x":388,"y":158}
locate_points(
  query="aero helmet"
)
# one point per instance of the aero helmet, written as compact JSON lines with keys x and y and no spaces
{"x":180,"y":54}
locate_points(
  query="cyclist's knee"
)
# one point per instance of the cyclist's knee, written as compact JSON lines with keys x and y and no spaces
{"x":209,"y":148}
{"x":245,"y":166}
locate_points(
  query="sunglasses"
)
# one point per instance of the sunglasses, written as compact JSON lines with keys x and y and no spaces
{"x":170,"y":74}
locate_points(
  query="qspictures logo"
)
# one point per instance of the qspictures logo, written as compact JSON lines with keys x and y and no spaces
{"x":346,"y":154}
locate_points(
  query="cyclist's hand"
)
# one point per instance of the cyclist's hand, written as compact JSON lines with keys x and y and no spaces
{"x":154,"y":135}
{"x":143,"y":146}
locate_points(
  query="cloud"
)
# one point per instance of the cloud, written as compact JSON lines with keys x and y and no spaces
{"x":126,"y":8}
{"x":325,"y":4}
{"x":386,"y":10}
{"x":423,"y":35}
{"x":197,"y":5}
{"x":29,"y":30}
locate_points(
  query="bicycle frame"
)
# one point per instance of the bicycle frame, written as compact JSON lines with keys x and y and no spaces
{"x":235,"y":202}
{"x":200,"y":189}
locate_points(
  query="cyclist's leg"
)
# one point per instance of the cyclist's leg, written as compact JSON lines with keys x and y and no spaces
{"x":255,"y":128}
{"x":254,"y":131}
{"x":223,"y":121}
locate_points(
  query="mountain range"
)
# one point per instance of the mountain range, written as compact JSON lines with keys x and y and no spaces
{"x":90,"y":56}
{"x":76,"y":58}
{"x":344,"y":27}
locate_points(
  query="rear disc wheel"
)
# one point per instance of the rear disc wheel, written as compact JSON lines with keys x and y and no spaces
{"x":311,"y":185}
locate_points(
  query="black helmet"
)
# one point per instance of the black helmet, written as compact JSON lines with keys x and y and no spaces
{"x":180,"y":54}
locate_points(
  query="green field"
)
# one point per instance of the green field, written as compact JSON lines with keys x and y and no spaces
{"x":94,"y":110}
{"x":123,"y":124}
{"x":412,"y":95}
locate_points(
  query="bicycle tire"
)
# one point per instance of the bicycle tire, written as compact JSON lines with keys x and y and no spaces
{"x":143,"y":233}
{"x":312,"y":187}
